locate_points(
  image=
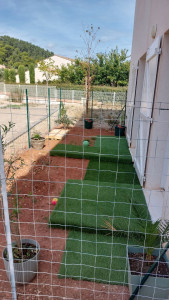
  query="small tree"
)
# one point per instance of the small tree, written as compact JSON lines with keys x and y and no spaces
{"x":12,"y":75}
{"x":6,"y":75}
{"x":73,"y":73}
{"x":32,"y":73}
{"x":21,"y":72}
{"x":64,"y":119}
{"x":89,"y":38}
{"x":12,"y":164}
{"x":48,"y":68}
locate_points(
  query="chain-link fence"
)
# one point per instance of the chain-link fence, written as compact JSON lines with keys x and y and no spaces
{"x":38,"y":91}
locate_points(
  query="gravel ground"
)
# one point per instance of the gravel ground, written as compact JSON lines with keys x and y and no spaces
{"x":104,"y":114}
{"x":19,"y":117}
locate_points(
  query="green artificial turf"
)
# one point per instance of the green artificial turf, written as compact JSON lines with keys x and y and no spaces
{"x":108,"y":193}
{"x":106,"y":149}
{"x":92,"y":257}
{"x":112,"y":142}
{"x":87,"y":204}
{"x":111,"y":172}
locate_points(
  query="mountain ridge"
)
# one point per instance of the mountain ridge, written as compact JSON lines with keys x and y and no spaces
{"x":14,"y":52}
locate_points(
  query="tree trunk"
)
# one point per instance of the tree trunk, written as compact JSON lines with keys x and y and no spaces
{"x":87,"y":93}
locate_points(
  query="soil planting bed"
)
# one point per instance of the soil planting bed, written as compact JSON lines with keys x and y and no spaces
{"x":28,"y":252}
{"x":42,"y":178}
{"x":140,"y":266}
{"x":77,"y":135}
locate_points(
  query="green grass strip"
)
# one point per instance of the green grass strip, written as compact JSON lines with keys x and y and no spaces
{"x":111,"y":172}
{"x":86,"y":205}
{"x":112,"y":142}
{"x":106,"y":149}
{"x":94,"y":257}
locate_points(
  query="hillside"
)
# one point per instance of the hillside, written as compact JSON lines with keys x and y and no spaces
{"x":14,"y":52}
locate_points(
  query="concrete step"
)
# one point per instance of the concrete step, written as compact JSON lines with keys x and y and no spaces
{"x":56,"y":134}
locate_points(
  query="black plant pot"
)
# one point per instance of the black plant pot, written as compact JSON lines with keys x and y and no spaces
{"x":88,"y":123}
{"x":120,"y":131}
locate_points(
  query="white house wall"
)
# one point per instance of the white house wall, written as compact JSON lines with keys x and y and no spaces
{"x":57,"y":61}
{"x":160,"y":125}
{"x":39,"y":75}
{"x":17,"y":78}
{"x":149,"y":14}
{"x":27,"y":77}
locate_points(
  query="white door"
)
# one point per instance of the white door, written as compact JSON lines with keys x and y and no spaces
{"x":131,"y":105}
{"x":145,"y":119}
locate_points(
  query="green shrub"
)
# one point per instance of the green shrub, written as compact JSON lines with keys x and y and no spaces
{"x":12,"y":76}
{"x":6,"y":75}
{"x":1,"y":74}
{"x":32,"y":73}
{"x":36,"y":135}
{"x":21,"y":72}
{"x":101,"y":88}
{"x":122,"y":83}
{"x":64,"y":119}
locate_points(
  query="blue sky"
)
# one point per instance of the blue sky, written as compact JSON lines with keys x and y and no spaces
{"x":57,"y":25}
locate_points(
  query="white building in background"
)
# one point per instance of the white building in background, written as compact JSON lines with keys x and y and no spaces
{"x":3,"y":67}
{"x":57,"y":60}
{"x":148,"y":102}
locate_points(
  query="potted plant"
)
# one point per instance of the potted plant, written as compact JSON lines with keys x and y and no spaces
{"x":25,"y":251}
{"x":26,"y":257}
{"x":139,"y":259}
{"x":37,"y":141}
{"x":63,"y":118}
{"x":90,"y":42}
{"x":157,"y":284}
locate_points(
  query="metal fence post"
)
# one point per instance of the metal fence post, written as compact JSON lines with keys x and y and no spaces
{"x":60,"y":102}
{"x":49,"y":108}
{"x":7,"y":222}
{"x":27,"y":110}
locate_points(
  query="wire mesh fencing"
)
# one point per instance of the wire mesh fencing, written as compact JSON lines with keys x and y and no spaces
{"x":74,"y":214}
